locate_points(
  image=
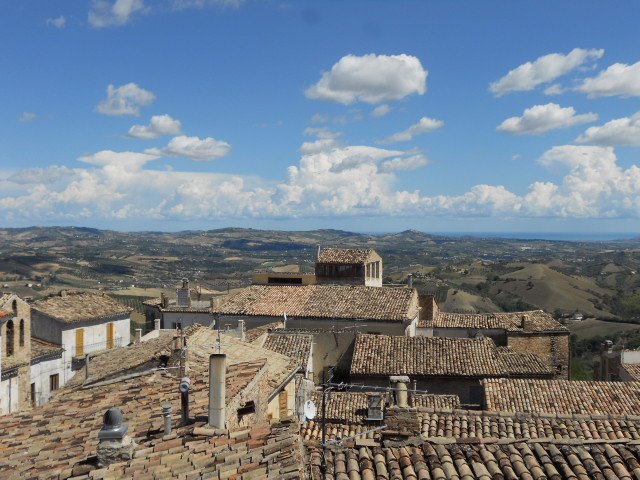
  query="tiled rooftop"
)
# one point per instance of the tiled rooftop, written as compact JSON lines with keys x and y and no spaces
{"x":72,"y":307}
{"x":535,"y":321}
{"x":296,"y":346}
{"x":41,"y":348}
{"x":344,"y":255}
{"x":561,"y":396}
{"x":58,"y":440}
{"x":323,"y":301}
{"x":116,"y":362}
{"x":633,"y":369}
{"x":479,"y":461}
{"x":253,"y":334}
{"x":440,"y":356}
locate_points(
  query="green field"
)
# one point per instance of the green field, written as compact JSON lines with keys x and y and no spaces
{"x":592,"y":328}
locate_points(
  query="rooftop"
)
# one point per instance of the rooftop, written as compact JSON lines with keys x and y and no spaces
{"x":529,"y":321}
{"x":323,"y":301}
{"x":484,"y":461}
{"x":344,"y":255}
{"x":440,"y":356}
{"x":41,"y":349}
{"x":296,"y":346}
{"x":59,"y":439}
{"x":70,"y":307}
{"x":633,"y":369}
{"x":561,"y":397}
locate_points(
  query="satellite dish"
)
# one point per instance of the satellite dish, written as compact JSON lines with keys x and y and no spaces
{"x":309,"y":410}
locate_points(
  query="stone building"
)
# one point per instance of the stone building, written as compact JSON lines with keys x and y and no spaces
{"x":15,"y":336}
{"x":438,"y":365}
{"x":530,"y":331}
{"x":181,"y":312}
{"x":349,"y":266}
{"x":82,"y":323}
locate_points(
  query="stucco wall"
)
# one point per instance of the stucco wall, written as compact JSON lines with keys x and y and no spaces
{"x":40,"y":375}
{"x":9,"y":395}
{"x":273,"y":407}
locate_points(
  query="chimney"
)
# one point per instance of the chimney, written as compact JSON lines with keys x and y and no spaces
{"x":241,"y":329}
{"x":525,"y":323}
{"x":156,"y":324}
{"x":114,"y":445}
{"x":400,"y":386}
{"x":318,"y":254}
{"x":410,"y":280}
{"x":166,"y":413}
{"x":163,"y":300}
{"x":217,"y":390}
{"x":138,"y":335}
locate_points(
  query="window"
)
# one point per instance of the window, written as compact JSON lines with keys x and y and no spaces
{"x":54,"y":382}
{"x":177,"y":325}
{"x":22,"y":333}
{"x":10,"y":334}
{"x":14,"y":307}
{"x":33,"y":394}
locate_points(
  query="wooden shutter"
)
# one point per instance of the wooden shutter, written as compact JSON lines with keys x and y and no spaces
{"x":109,"y":335}
{"x":79,"y":342}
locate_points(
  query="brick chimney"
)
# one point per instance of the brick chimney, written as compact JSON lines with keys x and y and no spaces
{"x":114,"y":445}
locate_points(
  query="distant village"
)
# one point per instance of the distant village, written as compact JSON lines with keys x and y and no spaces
{"x":329,"y":374}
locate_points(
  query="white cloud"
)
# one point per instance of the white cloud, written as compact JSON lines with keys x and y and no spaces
{"x":59,"y":22}
{"x":619,"y":79}
{"x":327,"y":140}
{"x":399,"y":164}
{"x":183,"y":4}
{"x":620,"y":131}
{"x":158,"y":126}
{"x":105,"y":14}
{"x":371,"y":79}
{"x":543,"y":70}
{"x":381,"y":110}
{"x":125,"y":100}
{"x":555,"y":89}
{"x":27,"y":117}
{"x":424,"y":125}
{"x":194,"y":148}
{"x":542,"y":118}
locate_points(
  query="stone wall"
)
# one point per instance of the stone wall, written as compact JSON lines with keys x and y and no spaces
{"x":551,"y":348}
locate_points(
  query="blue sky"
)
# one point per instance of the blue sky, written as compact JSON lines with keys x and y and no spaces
{"x":370,"y":116}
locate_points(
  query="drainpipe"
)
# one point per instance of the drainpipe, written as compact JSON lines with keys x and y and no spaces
{"x":185,"y":386}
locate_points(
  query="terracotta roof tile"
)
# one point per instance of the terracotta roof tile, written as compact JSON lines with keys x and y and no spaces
{"x":41,"y":348}
{"x":296,"y":346}
{"x":534,"y":321}
{"x":440,"y":356}
{"x":561,"y":396}
{"x":469,"y":461}
{"x":344,"y":255}
{"x":79,"y":306}
{"x":633,"y":369}
{"x":60,"y":438}
{"x":323,"y":301}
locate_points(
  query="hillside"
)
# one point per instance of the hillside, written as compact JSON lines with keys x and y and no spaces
{"x":546,"y":288}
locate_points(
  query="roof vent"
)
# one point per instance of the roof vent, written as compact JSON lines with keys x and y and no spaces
{"x":114,"y":443}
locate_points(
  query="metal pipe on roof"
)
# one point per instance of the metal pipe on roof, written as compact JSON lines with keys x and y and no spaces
{"x":166,"y":413}
{"x":217,"y":390}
